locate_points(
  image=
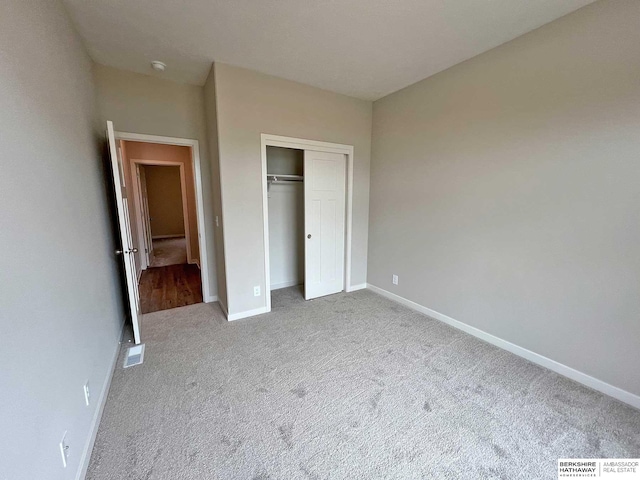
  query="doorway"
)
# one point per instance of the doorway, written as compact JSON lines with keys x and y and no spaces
{"x":183,"y":278}
{"x":164,"y":205}
{"x":163,"y":214}
{"x":307,"y":216}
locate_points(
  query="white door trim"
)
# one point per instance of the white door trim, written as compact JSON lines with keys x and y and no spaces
{"x":268,"y":140}
{"x":183,"y":193}
{"x":197,"y":173}
{"x":140,"y":221}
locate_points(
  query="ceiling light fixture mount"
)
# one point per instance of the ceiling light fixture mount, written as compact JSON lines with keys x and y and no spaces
{"x":158,"y":66}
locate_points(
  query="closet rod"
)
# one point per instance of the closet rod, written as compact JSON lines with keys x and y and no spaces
{"x":282,"y":178}
{"x":285,"y":178}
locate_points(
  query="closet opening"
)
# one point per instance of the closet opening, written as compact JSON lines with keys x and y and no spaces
{"x":285,"y":193}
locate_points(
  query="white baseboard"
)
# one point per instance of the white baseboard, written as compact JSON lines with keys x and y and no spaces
{"x":278,"y":286}
{"x":248,"y":313}
{"x":354,"y":288}
{"x":573,"y":374}
{"x":95,"y":422}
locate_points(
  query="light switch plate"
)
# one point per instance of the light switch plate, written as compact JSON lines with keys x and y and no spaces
{"x":87,"y":394}
{"x":64,"y":450}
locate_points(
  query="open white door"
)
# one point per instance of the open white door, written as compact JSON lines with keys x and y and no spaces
{"x":125,"y":231}
{"x":324,"y":211}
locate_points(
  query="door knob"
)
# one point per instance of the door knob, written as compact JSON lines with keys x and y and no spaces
{"x":309,"y":236}
{"x":132,"y":250}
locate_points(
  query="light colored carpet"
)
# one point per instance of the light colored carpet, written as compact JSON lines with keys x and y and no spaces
{"x":169,"y":251}
{"x":351,"y":386}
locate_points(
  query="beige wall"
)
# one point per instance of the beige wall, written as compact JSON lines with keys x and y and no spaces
{"x":145,"y":104}
{"x":504,"y":192}
{"x":60,"y":301}
{"x":166,"y":153}
{"x":164,"y":195}
{"x":248,"y":104}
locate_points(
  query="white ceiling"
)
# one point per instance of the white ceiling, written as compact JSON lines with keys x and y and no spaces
{"x":362,"y":48}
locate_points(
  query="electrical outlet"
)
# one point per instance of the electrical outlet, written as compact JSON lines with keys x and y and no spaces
{"x":87,"y":394}
{"x":394,"y":279}
{"x":256,"y":291}
{"x":64,"y":450}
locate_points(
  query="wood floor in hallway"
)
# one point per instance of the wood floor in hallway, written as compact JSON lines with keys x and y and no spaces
{"x":162,"y":288}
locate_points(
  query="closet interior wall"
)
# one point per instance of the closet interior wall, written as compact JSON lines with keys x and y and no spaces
{"x":286,"y":216}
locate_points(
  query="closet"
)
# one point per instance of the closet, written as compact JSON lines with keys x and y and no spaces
{"x":306,"y":192}
{"x":285,"y":192}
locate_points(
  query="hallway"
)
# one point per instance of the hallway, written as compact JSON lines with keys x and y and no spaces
{"x":171,"y":286}
{"x":169,"y":251}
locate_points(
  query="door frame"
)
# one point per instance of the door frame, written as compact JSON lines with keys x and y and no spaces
{"x":196,"y":164}
{"x":268,"y":140}
{"x":135,"y":162}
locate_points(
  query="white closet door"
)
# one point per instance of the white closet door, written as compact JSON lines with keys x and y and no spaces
{"x":324,"y":211}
